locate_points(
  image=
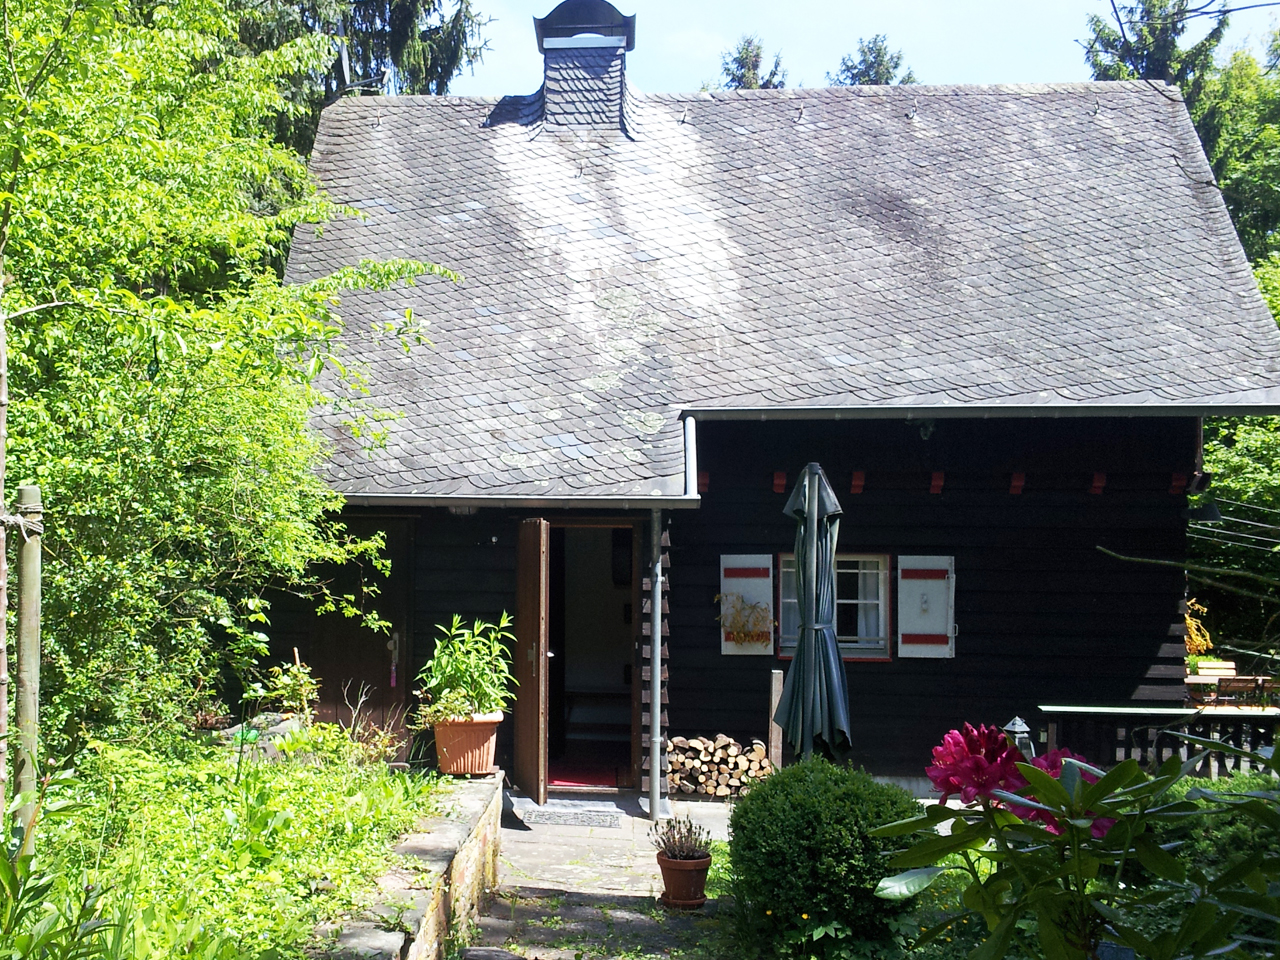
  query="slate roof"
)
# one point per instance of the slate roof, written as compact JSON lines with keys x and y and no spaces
{"x":1047,"y":249}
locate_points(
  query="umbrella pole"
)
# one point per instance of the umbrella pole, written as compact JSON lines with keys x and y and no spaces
{"x":811,"y":601}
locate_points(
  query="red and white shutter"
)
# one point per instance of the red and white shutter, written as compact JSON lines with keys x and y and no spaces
{"x":926,"y":607}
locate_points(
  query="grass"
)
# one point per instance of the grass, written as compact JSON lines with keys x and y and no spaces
{"x":720,"y":874}
{"x":214,"y":840}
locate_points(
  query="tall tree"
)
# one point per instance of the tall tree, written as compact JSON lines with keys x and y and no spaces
{"x":1141,"y":42}
{"x":1238,"y":119}
{"x":876,"y":65}
{"x":400,"y":46}
{"x":162,"y":373}
{"x":742,"y":67}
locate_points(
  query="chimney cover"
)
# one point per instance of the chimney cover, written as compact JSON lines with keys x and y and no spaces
{"x":574,"y":17}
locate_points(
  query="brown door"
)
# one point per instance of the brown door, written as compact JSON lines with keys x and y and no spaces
{"x":357,"y":668}
{"x":532,"y":600}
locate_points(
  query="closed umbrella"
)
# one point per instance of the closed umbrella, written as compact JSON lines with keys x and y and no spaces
{"x":815,"y":698}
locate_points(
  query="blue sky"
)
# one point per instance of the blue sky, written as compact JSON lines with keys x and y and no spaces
{"x":678,"y":42}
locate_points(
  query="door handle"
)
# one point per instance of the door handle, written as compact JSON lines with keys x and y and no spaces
{"x":393,"y":645}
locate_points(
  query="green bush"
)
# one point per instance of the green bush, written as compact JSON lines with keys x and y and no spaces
{"x":1214,"y":842}
{"x":804,"y":868}
{"x":248,"y":853}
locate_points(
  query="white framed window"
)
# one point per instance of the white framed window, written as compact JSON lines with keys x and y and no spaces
{"x":862,"y":605}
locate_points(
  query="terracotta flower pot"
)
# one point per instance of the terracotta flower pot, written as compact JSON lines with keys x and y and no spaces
{"x":465,"y":746}
{"x":684,"y":882}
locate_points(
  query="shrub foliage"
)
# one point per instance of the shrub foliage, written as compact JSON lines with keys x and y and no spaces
{"x":803,"y":862}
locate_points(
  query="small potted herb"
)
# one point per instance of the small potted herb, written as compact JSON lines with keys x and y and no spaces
{"x":463,"y":690}
{"x":684,"y":857}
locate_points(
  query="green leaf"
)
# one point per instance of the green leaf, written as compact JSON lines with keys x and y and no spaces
{"x":1045,"y":788}
{"x":937,"y":930}
{"x":1121,"y":775}
{"x":907,"y":884}
{"x":932,"y":816}
{"x":928,"y":852}
{"x":997,"y":945}
{"x":1161,"y":863}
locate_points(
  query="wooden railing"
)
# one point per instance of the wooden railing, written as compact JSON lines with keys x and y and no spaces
{"x":1151,"y":735}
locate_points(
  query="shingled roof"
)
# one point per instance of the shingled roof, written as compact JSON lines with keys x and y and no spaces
{"x":867,"y":251}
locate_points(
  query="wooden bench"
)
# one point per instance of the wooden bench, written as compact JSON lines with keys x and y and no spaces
{"x":1216,"y":683}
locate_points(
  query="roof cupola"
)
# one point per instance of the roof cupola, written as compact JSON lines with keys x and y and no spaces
{"x":584,"y":45}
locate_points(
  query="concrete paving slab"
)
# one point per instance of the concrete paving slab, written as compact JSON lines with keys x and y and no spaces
{"x":572,"y":891}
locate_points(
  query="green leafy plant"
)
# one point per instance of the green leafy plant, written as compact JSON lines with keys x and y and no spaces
{"x":1056,"y":845}
{"x":39,"y":918}
{"x":470,"y":672}
{"x":289,"y":686}
{"x":679,"y":838}
{"x":193,"y":862}
{"x":805,"y":864}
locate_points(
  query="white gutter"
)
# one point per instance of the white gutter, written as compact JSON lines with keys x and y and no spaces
{"x":520,"y":503}
{"x":689,"y":500}
{"x":973,"y":411}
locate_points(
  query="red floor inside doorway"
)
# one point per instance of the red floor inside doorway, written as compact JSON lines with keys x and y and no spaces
{"x":590,"y":763}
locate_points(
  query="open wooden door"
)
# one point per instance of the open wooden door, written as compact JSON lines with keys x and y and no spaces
{"x":532,"y":600}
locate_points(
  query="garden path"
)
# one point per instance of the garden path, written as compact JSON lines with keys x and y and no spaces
{"x":578,"y":890}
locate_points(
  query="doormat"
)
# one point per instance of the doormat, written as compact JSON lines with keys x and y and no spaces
{"x":573,"y":818}
{"x":570,"y":813}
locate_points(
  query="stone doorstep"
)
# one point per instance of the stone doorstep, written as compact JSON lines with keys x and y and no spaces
{"x":413,"y":898}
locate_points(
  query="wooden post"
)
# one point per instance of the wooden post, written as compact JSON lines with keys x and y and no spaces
{"x":30,"y":510}
{"x":775,"y":731}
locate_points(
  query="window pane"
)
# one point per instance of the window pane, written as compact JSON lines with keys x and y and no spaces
{"x":789,"y":620}
{"x":847,"y":620}
{"x":869,"y":581}
{"x":869,"y":620}
{"x":789,"y":609}
{"x":846,"y":583}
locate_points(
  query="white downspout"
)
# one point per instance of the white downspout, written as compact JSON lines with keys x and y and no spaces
{"x":655,"y":668}
{"x":690,"y":458}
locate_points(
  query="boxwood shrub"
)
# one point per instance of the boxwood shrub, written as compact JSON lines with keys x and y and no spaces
{"x":804,"y":867}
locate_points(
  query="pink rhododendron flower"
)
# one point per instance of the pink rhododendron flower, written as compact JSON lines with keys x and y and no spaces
{"x":1051,"y":763}
{"x":974,"y":762}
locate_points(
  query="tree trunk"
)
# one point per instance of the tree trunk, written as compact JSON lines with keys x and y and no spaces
{"x":4,"y":549}
{"x":26,"y":764}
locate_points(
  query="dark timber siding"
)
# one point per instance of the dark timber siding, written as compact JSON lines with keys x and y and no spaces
{"x":1042,"y":615}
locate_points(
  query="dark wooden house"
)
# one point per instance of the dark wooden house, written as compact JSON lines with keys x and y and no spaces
{"x":995,"y":315}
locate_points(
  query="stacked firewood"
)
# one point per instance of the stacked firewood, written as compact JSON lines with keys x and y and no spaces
{"x":715,"y":766}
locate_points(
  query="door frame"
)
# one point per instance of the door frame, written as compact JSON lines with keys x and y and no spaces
{"x":638,"y":525}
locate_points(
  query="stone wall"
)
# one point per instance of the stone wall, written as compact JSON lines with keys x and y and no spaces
{"x":458,"y":853}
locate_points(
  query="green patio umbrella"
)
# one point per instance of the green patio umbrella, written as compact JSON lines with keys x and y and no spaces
{"x":815,"y":697}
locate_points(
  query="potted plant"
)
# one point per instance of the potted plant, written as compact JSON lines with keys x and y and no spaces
{"x":684,"y":857}
{"x":463,"y":690}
